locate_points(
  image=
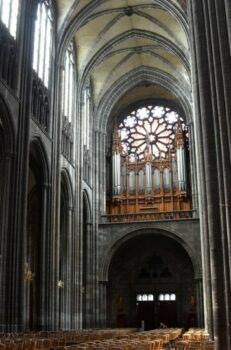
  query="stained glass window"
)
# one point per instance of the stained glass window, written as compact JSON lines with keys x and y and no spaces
{"x":167,"y":297}
{"x":9,"y":15}
{"x":68,"y":94}
{"x":145,"y":297}
{"x":152,"y":124}
{"x":43,"y":41}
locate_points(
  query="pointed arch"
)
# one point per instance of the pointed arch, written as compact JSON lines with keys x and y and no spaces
{"x":37,"y":228}
{"x":7,"y":141}
{"x":66,"y":181}
{"x":65,"y":249}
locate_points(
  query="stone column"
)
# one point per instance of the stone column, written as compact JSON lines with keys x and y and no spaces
{"x":16,"y":234}
{"x":44,"y":263}
{"x":103,"y":286}
{"x":199,"y":300}
{"x":5,"y":187}
{"x":228,"y":19}
{"x":211,"y":64}
{"x":69,"y":278}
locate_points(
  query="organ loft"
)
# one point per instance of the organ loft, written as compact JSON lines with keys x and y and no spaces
{"x":150,"y":166}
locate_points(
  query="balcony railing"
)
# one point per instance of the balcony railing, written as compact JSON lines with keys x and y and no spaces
{"x":137,"y":217}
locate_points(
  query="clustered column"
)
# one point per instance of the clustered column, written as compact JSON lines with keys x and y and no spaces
{"x":211,"y":62}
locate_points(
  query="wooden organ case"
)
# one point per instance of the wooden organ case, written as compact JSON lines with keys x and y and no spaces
{"x":150,"y":171}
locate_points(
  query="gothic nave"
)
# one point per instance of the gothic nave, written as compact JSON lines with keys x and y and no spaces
{"x":115,"y":163}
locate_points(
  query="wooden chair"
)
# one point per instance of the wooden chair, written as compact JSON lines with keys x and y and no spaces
{"x":181,"y":345}
{"x":209,"y":345}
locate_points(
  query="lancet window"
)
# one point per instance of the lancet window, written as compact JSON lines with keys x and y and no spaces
{"x":68,"y":103}
{"x":9,"y":15}
{"x":86,"y":115}
{"x":150,"y":165}
{"x":42,"y":63}
{"x":86,"y":133}
{"x":8,"y":49}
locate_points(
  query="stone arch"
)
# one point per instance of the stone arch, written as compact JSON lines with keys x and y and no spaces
{"x":123,"y":269}
{"x":86,"y":260}
{"x":65,"y":176}
{"x":39,"y":152}
{"x":7,"y":142}
{"x":65,"y":251}
{"x":136,"y":33}
{"x":37,"y":229}
{"x":103,"y":272}
{"x":67,"y":32}
{"x":86,"y":204}
{"x":136,"y":77}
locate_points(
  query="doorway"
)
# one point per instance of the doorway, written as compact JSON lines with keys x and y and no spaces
{"x":151,"y":313}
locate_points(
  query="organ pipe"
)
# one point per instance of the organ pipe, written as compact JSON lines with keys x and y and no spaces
{"x":181,"y":159}
{"x":148,"y":166}
{"x":116,"y":163}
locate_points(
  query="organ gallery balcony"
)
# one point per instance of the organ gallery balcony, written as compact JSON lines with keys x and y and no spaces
{"x":150,"y":167}
{"x":149,"y":216}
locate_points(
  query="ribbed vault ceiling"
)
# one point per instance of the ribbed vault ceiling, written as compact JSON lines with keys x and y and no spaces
{"x":115,"y":37}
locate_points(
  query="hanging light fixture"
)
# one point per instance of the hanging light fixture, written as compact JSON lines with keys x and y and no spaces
{"x":28,"y":274}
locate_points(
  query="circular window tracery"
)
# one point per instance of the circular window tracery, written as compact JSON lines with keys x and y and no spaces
{"x":154,"y":125}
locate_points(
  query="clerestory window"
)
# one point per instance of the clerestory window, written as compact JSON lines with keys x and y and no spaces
{"x":68,"y":82}
{"x":9,"y":15}
{"x":86,"y":116}
{"x":43,"y":41}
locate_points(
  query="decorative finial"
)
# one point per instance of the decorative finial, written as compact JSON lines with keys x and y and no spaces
{"x":117,"y":147}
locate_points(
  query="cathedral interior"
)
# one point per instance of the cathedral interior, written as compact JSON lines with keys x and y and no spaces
{"x":115,"y":163}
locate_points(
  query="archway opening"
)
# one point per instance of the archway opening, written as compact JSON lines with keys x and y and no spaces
{"x":151,"y":280}
{"x":64,"y":254}
{"x":87,"y":274}
{"x":34,"y":227}
{"x":37,"y":237}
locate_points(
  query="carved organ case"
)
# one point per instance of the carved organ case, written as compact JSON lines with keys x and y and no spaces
{"x":150,"y":163}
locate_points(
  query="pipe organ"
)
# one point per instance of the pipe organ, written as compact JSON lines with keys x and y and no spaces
{"x":151,"y":182}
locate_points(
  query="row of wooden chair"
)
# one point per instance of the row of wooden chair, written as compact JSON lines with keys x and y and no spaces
{"x":194,"y":345}
{"x":196,"y":334}
{"x":117,"y":344}
{"x":47,"y":340}
{"x":93,"y":339}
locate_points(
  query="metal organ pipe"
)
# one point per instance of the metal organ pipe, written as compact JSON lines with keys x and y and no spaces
{"x":148,"y":168}
{"x":181,"y":158}
{"x":116,"y":173}
{"x":181,"y":169}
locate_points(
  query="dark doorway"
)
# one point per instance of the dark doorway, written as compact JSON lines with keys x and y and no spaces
{"x":167,"y":313}
{"x":152,"y":313}
{"x":146,"y":313}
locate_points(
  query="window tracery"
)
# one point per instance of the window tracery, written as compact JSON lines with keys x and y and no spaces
{"x":150,"y":167}
{"x":68,"y":82}
{"x":153,"y":125}
{"x":68,"y":102}
{"x":41,"y":64}
{"x":43,"y":41}
{"x":9,"y":15}
{"x":8,"y":48}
